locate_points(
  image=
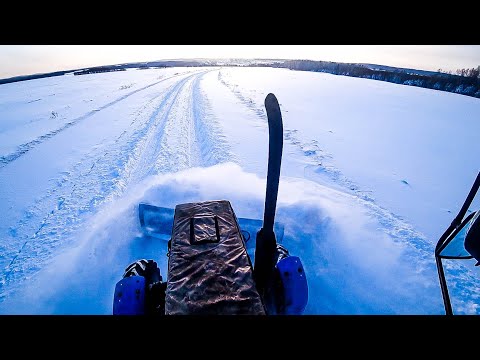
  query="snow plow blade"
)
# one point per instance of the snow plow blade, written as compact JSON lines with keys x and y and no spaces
{"x":157,"y":222}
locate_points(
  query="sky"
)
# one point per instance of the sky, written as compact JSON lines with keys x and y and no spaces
{"x":371,"y":176}
{"x":30,"y":59}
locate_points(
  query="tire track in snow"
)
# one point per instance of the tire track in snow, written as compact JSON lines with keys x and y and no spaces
{"x":186,"y":135}
{"x":213,"y":144}
{"x":144,"y":157}
{"x":67,"y":176}
{"x":249,"y":103}
{"x":195,"y":125}
{"x":82,"y":189}
{"x":310,"y":149}
{"x":24,"y":148}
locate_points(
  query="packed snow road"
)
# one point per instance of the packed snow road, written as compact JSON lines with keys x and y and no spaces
{"x":53,"y":183}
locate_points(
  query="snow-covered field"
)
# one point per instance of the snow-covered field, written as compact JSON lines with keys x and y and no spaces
{"x":372,"y":174}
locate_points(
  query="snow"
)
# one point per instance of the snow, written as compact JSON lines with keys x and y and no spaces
{"x":372,"y":174}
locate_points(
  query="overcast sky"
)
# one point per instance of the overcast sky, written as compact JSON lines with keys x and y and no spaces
{"x":30,"y":59}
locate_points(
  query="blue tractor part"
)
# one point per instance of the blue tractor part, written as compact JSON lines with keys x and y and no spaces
{"x":129,"y":296}
{"x":294,"y":288}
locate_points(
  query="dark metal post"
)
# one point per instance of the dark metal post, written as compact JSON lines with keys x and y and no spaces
{"x":443,"y":286}
{"x":266,"y":242}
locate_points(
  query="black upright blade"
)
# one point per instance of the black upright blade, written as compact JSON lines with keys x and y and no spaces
{"x":266,"y":242}
{"x":275,"y":147}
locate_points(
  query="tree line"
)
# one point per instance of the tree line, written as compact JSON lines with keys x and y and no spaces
{"x":465,"y":82}
{"x":473,"y":72}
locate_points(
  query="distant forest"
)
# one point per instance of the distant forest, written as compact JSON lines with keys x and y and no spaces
{"x":464,"y":81}
{"x":96,"y":70}
{"x":467,"y":82}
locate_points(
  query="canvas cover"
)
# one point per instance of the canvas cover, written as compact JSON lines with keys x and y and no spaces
{"x":209,"y":270}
